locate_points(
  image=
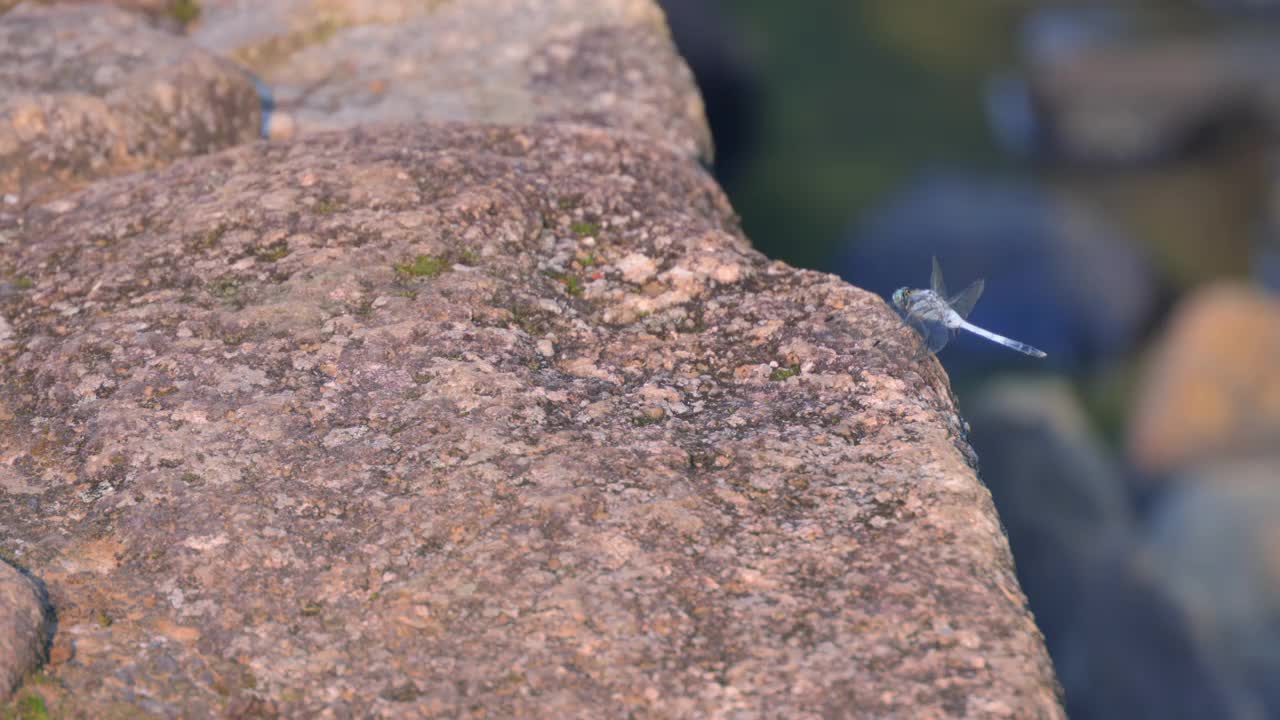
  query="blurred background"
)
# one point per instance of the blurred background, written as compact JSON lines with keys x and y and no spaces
{"x":1111,"y":169}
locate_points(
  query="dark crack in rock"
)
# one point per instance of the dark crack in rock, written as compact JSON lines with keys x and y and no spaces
{"x":448,"y":420}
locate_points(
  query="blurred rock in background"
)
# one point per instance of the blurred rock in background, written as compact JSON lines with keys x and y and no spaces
{"x":342,"y":64}
{"x":1135,"y":654}
{"x":1266,"y":266}
{"x":1215,"y":547}
{"x":1060,"y":495}
{"x":80,"y":101}
{"x":1213,"y":383}
{"x":1150,"y":117}
{"x":1244,"y":8}
{"x":1120,"y":638}
{"x":1107,"y":94}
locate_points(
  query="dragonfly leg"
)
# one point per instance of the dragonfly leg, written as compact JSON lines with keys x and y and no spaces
{"x":922,"y":350}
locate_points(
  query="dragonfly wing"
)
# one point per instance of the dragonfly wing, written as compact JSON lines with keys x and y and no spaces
{"x":938,"y":336}
{"x":933,"y":335}
{"x":964,"y":302}
{"x":935,"y":281}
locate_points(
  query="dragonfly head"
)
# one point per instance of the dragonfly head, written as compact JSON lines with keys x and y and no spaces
{"x":900,"y":297}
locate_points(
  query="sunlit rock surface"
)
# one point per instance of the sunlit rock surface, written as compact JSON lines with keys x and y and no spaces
{"x":510,"y":421}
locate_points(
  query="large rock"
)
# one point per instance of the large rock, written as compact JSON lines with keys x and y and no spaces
{"x":1116,"y":85}
{"x":1213,"y":387}
{"x":1123,"y":645}
{"x":1137,"y":653}
{"x":508,"y":421}
{"x":496,"y":420}
{"x":25,"y":627}
{"x":1214,"y":549}
{"x":341,"y":63}
{"x":90,"y":91}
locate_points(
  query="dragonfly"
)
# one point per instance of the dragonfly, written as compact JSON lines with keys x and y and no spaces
{"x":938,"y":318}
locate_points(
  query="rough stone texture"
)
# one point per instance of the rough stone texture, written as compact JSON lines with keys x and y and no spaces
{"x":1213,"y":387}
{"x":89,"y":91}
{"x":24,"y":627}
{"x":467,"y":419}
{"x":341,"y":63}
{"x":400,"y":424}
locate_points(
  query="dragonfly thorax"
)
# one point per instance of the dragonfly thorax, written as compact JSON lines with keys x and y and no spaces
{"x":901,"y":296}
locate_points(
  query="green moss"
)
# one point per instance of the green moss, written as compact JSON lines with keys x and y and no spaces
{"x":646,"y":420}
{"x":277,"y":250}
{"x":41,"y":677}
{"x":237,"y":337}
{"x":22,"y":282}
{"x":209,"y":239}
{"x":325,"y":206}
{"x":583,"y":229}
{"x":427,"y":266}
{"x":185,"y":11}
{"x":530,"y":319}
{"x":291,"y":695}
{"x":31,"y":707}
{"x":572,"y":283}
{"x":226,"y":289}
{"x":782,"y":373}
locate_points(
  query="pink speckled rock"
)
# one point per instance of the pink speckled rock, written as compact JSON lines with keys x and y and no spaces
{"x":373,"y":424}
{"x":91,"y":91}
{"x":484,"y":420}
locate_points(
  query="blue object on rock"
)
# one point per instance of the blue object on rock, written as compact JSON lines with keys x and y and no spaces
{"x":1057,"y":275}
{"x":267,"y":101}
